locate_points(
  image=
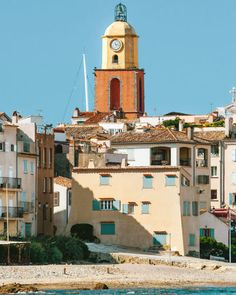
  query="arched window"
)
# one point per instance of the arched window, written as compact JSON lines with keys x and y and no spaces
{"x":58,"y":149}
{"x":115,"y":59}
{"x":115,"y":94}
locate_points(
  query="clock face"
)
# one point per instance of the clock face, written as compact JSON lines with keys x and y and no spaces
{"x":116,"y":44}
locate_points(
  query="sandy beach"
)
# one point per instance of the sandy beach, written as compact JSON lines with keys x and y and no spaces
{"x":116,"y":275}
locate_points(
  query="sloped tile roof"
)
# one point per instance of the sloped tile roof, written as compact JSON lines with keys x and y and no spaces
{"x":210,"y":135}
{"x":64,"y":181}
{"x":158,"y":135}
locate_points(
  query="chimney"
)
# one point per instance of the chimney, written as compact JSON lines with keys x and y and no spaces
{"x":190,"y":133}
{"x":91,"y":163}
{"x":181,"y":125}
{"x":15,"y":117}
{"x":228,"y":126}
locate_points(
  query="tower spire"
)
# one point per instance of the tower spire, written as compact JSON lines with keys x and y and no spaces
{"x":121,"y":13}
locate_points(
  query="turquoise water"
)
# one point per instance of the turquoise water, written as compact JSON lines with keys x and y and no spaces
{"x":188,"y":291}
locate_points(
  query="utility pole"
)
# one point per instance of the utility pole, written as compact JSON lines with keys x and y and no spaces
{"x":229,"y":219}
{"x":8,"y":245}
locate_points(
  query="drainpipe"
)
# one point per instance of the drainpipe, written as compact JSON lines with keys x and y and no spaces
{"x":194,"y":165}
{"x":222,"y":174}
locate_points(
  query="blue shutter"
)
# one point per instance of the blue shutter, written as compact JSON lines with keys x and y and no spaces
{"x":125,"y":208}
{"x":28,"y":230}
{"x":170,"y":180}
{"x":230,"y":199}
{"x":22,"y":229}
{"x":96,"y":205}
{"x":201,"y":232}
{"x":104,"y":179}
{"x":25,"y":166}
{"x":191,"y":240}
{"x":145,"y":208}
{"x":107,"y":228}
{"x":147,"y":181}
{"x":116,"y":205}
{"x":159,"y":239}
{"x":212,"y":233}
{"x":32,"y":167}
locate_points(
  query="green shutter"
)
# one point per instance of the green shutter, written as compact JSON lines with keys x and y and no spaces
{"x":201,"y":232}
{"x":116,"y":205}
{"x":125,"y":208}
{"x":107,"y":228}
{"x":212,"y":232}
{"x":191,"y":240}
{"x":195,"y":208}
{"x":96,"y":205}
{"x":230,"y":199}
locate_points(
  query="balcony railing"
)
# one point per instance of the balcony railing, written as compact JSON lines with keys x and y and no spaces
{"x":10,"y":182}
{"x":13,"y":212}
{"x":28,"y":207}
{"x":201,"y":163}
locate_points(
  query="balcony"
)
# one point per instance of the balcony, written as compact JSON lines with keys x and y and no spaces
{"x":28,"y":207}
{"x":185,"y":162}
{"x":160,"y":156}
{"x":201,"y":163}
{"x":10,"y":183}
{"x":13,"y":212}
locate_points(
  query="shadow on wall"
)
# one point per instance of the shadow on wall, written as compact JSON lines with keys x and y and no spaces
{"x":128,"y":231}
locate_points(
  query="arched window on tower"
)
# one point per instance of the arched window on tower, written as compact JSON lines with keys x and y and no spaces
{"x":115,"y":59}
{"x":115,"y":94}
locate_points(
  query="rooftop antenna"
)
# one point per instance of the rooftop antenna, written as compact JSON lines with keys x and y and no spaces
{"x":85,"y":84}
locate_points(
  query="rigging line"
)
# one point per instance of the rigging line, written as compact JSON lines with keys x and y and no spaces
{"x":72,"y":90}
{"x":91,"y":88}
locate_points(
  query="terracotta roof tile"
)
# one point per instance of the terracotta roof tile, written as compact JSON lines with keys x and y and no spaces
{"x":67,"y":182}
{"x":210,"y":135}
{"x":161,"y":135}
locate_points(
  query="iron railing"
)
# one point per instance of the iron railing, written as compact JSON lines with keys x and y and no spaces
{"x":10,"y":182}
{"x":13,"y":212}
{"x":28,"y":207}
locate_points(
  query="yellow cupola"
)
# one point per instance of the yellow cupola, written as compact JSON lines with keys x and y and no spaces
{"x":120,"y":43}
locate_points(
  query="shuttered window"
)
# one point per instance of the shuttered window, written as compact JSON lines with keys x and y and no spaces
{"x":170,"y":180}
{"x":186,"y":208}
{"x":191,"y":240}
{"x":195,"y":208}
{"x":145,"y":208}
{"x":147,"y":181}
{"x":108,"y":228}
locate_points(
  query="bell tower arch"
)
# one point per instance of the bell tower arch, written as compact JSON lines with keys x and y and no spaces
{"x":119,"y":84}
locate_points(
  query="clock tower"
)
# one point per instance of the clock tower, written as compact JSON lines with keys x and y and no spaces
{"x":119,"y":84}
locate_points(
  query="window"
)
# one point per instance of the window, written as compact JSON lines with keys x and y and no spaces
{"x":45,"y":184}
{"x":1,"y":129}
{"x":128,"y":208}
{"x":12,"y":147}
{"x":234,"y":178}
{"x":170,"y":180}
{"x":108,"y":228}
{"x":32,"y":168}
{"x":203,"y":205}
{"x":106,"y":205}
{"x":195,"y":208}
{"x":147,"y":181}
{"x":104,"y":179}
{"x":160,"y":238}
{"x":207,"y":232}
{"x":201,"y":152}
{"x":56,"y":199}
{"x":50,"y":184}
{"x":213,"y":194}
{"x":213,"y":171}
{"x":203,"y":179}
{"x":186,"y":209}
{"x":25,"y":166}
{"x":26,"y":147}
{"x":234,"y":155}
{"x":215,"y":150}
{"x":69,"y":197}
{"x":145,"y":208}
{"x":45,"y":158}
{"x":50,"y":158}
{"x":115,"y":59}
{"x":184,"y":181}
{"x":2,"y":146}
{"x":191,"y":240}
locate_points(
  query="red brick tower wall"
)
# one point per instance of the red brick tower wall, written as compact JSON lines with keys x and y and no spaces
{"x":131,"y":96}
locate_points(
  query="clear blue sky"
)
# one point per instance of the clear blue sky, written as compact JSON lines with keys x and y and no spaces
{"x":187,"y":48}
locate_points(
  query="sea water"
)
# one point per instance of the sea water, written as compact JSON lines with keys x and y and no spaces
{"x":144,"y":291}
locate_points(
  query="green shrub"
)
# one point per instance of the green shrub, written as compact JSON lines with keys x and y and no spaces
{"x":84,"y":231}
{"x":37,"y":253}
{"x":209,"y":246}
{"x":54,"y":255}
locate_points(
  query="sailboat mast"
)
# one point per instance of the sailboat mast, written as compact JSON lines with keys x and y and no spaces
{"x":86,"y":84}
